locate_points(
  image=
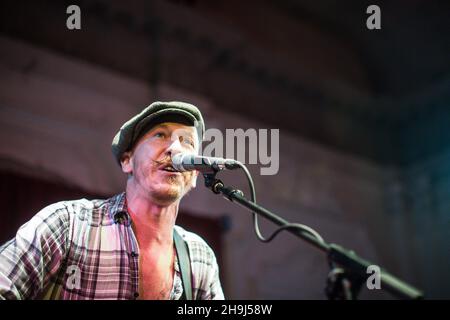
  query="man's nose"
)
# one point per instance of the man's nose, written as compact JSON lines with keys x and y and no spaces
{"x":174,"y":147}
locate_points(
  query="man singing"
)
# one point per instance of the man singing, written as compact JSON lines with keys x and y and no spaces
{"x":128,"y":246}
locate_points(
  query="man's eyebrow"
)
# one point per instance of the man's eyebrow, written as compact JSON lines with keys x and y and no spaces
{"x":160,"y":126}
{"x":185,"y":131}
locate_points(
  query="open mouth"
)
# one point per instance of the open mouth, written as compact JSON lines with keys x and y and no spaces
{"x":169,"y":168}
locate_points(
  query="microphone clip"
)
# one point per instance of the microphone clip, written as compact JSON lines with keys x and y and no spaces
{"x":212,"y":182}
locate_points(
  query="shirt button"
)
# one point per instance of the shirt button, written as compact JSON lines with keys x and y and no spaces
{"x":134,"y":254}
{"x":120,"y":217}
{"x":136,"y":294}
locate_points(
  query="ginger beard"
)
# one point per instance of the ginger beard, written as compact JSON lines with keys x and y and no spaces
{"x":148,"y":164}
{"x":159,"y":185}
{"x":162,"y":186}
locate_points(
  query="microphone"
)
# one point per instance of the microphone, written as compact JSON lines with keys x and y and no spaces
{"x":188,"y":162}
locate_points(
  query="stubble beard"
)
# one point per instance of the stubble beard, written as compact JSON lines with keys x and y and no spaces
{"x":172,"y":188}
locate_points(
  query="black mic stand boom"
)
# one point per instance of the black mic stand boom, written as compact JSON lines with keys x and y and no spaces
{"x":348,"y":271}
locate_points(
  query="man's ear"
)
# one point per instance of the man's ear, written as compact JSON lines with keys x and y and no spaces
{"x":194,"y":178}
{"x":126,"y":163}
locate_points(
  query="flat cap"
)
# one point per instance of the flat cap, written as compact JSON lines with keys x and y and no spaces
{"x":157,"y":112}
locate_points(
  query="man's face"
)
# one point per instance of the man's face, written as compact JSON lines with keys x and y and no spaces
{"x":148,"y":162}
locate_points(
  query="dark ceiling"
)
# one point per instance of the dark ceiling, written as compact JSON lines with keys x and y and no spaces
{"x":383,"y":95}
{"x":409,"y":54}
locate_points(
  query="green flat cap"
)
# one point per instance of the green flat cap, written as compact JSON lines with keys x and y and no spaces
{"x":157,"y":112}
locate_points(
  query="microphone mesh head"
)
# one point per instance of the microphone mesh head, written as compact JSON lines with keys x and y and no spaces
{"x":177,"y":161}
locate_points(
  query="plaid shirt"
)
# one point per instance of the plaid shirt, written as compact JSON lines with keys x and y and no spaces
{"x":87,"y":250}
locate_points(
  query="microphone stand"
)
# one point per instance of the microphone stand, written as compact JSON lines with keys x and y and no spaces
{"x":348,"y":271}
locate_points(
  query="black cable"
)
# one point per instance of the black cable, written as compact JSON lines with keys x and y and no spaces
{"x":260,"y":237}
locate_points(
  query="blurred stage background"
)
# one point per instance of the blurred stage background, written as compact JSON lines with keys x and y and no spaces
{"x":364,"y":119}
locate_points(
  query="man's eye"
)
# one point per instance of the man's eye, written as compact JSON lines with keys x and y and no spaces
{"x":159,"y":134}
{"x":188,"y":141}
